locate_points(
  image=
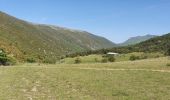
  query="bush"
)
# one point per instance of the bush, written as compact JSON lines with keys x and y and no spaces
{"x":168,"y":64}
{"x":168,"y":51}
{"x":3,"y":58}
{"x":133,"y":57}
{"x":31,"y":60}
{"x":104,"y":60}
{"x":144,"y":56}
{"x":96,"y":60}
{"x":49,"y":61}
{"x":111,"y":59}
{"x":77,"y":60}
{"x":11,"y":61}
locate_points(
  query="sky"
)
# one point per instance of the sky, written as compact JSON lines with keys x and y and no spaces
{"x":116,"y":20}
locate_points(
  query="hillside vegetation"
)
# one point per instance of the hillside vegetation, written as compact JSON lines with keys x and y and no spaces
{"x":44,"y":42}
{"x":159,"y":44}
{"x":136,"y":40}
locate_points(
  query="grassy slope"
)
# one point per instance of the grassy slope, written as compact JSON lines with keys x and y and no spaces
{"x":26,"y":82}
{"x":45,"y":40}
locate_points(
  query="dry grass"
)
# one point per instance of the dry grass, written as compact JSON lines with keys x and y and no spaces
{"x":72,"y":82}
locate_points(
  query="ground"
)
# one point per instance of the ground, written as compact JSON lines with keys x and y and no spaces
{"x":147,"y":79}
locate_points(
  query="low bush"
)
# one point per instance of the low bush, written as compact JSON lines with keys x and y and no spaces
{"x":11,"y":61}
{"x":111,"y":59}
{"x":31,"y":60}
{"x":49,"y":61}
{"x":96,"y":60}
{"x":77,"y":60}
{"x":104,"y":60}
{"x":133,"y":57}
{"x":144,"y":57}
{"x":5,"y":60}
{"x":168,"y":64}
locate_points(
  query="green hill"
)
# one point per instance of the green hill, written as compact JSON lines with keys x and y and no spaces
{"x":157,"y":44}
{"x":22,"y":39}
{"x":136,"y":40}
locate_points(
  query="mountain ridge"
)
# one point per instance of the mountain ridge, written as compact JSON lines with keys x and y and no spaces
{"x":41,"y":41}
{"x":137,"y":39}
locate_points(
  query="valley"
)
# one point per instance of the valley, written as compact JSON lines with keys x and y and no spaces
{"x":50,"y":62}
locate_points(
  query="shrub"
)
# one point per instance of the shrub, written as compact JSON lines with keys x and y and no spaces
{"x":111,"y":59}
{"x":167,"y":52}
{"x":3,"y":58}
{"x":77,"y":60}
{"x":11,"y":61}
{"x":156,"y":56}
{"x":49,"y":61}
{"x":31,"y":60}
{"x":133,"y":57}
{"x":104,"y":60}
{"x":96,"y":60}
{"x":144,"y":57}
{"x":168,"y":64}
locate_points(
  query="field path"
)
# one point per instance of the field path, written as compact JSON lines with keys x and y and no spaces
{"x":105,"y":69}
{"x":152,"y":70}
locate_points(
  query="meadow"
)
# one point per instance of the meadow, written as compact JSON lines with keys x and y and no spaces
{"x":97,"y":58}
{"x":147,"y":79}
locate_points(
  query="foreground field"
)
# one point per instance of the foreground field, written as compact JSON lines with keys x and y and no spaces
{"x":138,"y":80}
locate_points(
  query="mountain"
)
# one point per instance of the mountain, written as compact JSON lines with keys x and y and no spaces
{"x":157,"y":44}
{"x":136,"y":40}
{"x":23,"y":39}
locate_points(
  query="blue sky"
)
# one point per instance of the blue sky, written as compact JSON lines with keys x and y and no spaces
{"x":116,"y":20}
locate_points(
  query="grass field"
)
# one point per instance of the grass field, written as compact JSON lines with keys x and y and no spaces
{"x":118,"y":58}
{"x":128,"y":80}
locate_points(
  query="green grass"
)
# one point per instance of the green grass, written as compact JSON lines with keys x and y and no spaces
{"x":87,"y":81}
{"x":84,"y":59}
